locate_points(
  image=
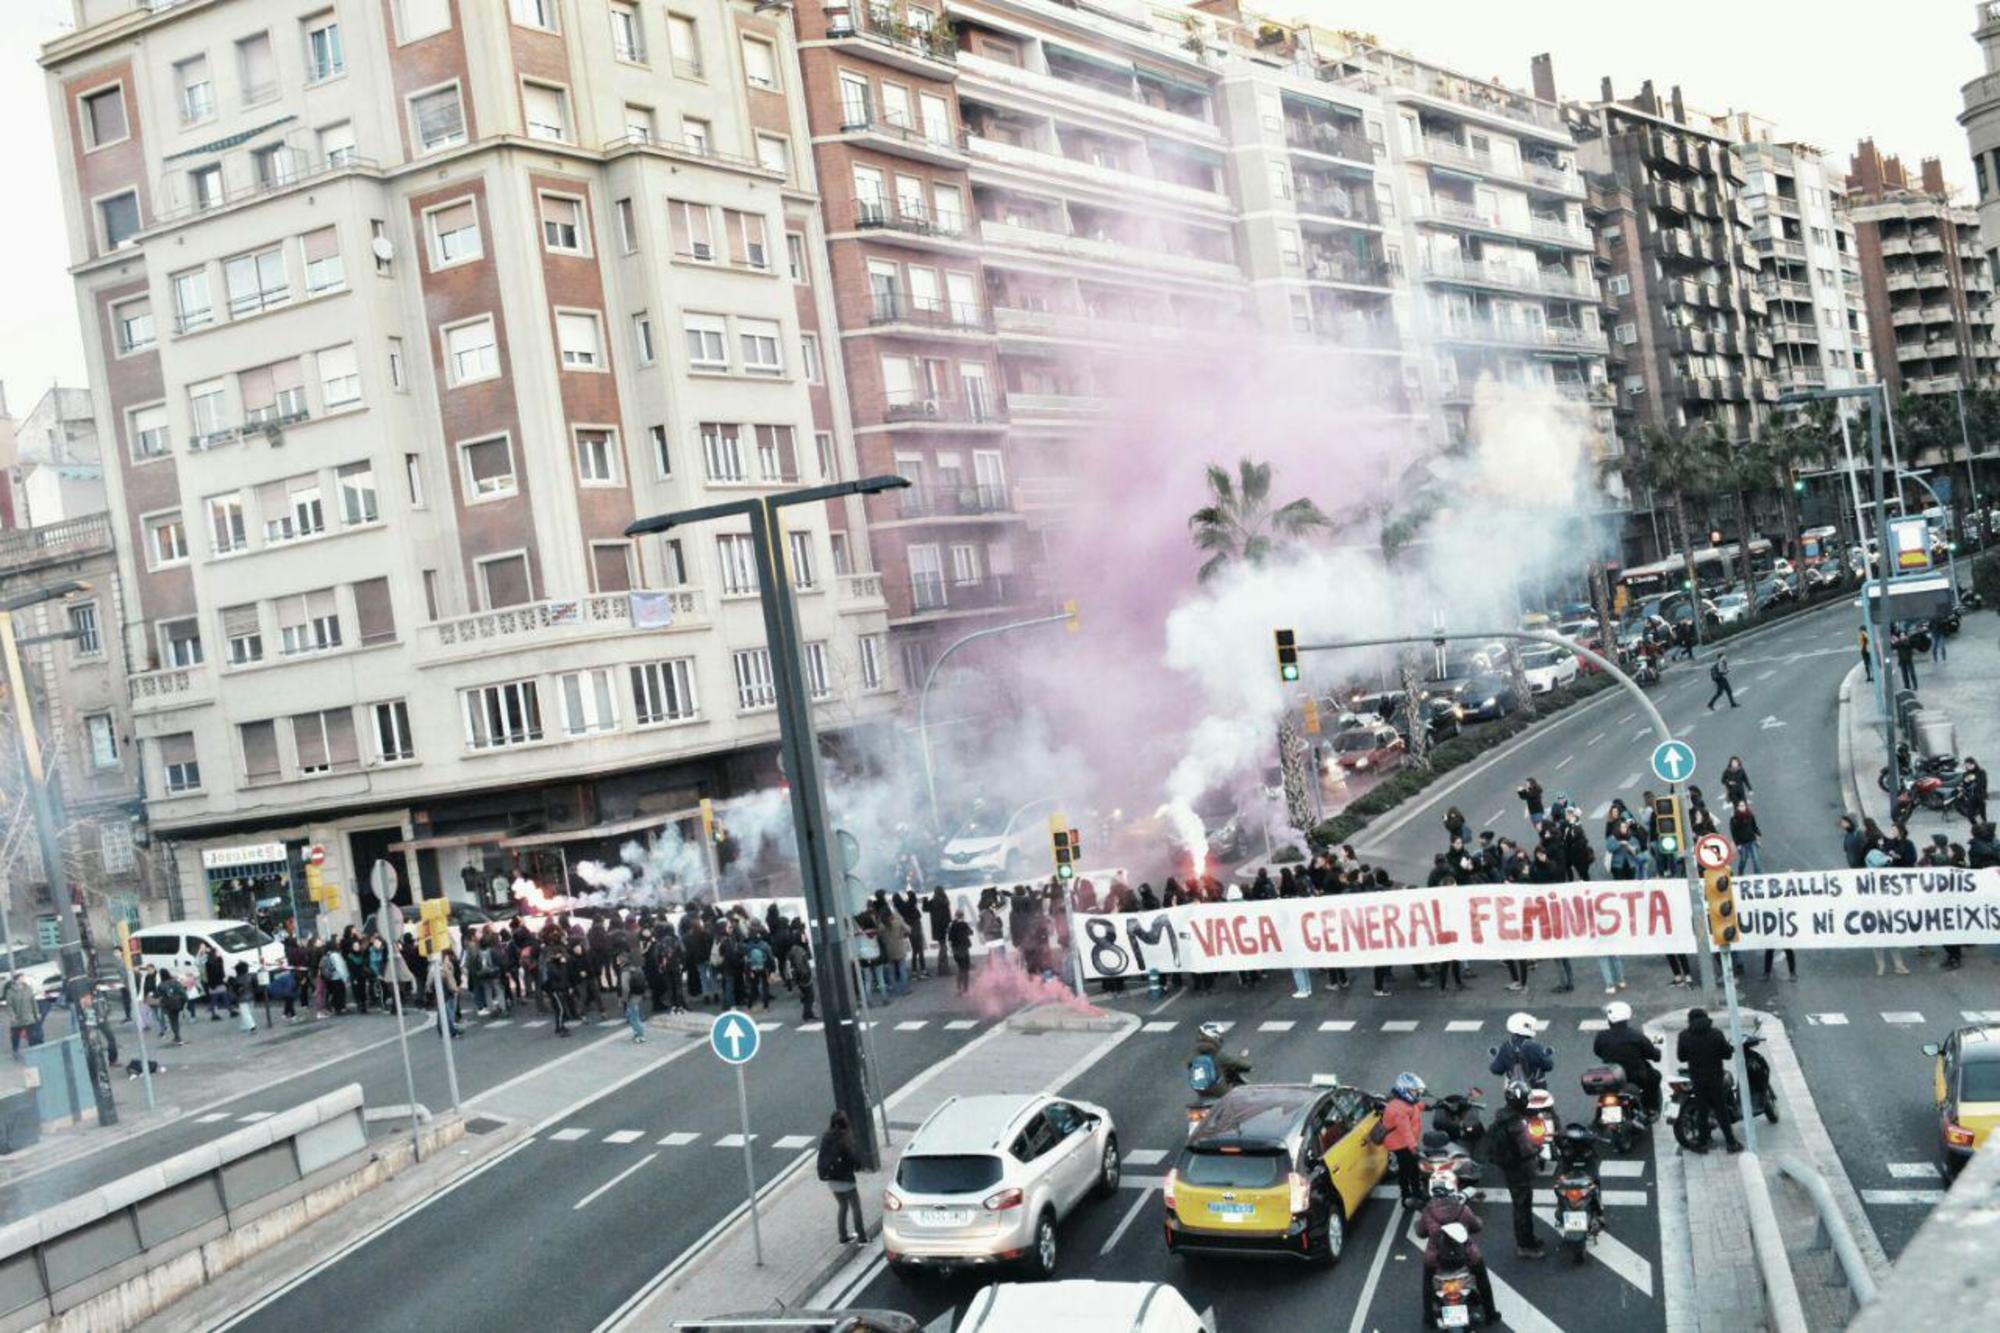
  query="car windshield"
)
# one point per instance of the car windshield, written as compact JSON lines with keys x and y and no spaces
{"x":979,"y":826}
{"x":967,"y":1174}
{"x":1232,"y":1170}
{"x":1980,"y":1082}
{"x":23,"y":955}
{"x":1355,"y":742}
{"x":1539,"y":657}
{"x":1484,"y":686}
{"x":239,"y":939}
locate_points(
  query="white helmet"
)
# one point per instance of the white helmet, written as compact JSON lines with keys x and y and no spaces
{"x":1618,"y":1012}
{"x":1213,"y":1031}
{"x":1522,"y":1025}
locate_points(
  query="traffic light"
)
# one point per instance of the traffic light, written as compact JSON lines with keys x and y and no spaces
{"x":1288,"y":655}
{"x":1798,"y":484}
{"x":1067,"y":845}
{"x":1075,"y":625}
{"x":1719,"y":890}
{"x":1667,"y":825}
{"x":1312,"y":716}
{"x":711,"y":827}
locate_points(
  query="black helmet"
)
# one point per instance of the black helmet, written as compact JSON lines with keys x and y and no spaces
{"x":1517,"y":1094}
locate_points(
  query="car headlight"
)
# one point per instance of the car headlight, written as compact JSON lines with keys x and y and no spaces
{"x":1361,"y":763}
{"x":1490,"y":702}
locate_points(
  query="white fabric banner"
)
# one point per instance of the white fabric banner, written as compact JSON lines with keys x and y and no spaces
{"x":1868,"y":909}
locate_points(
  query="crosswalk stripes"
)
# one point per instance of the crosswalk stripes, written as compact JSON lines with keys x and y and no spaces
{"x":1145,"y":1157}
{"x":1276,"y":1025}
{"x":1827,"y":1020}
{"x":733,"y":1141}
{"x":769,"y":1027}
{"x":1902,"y":1017}
{"x":1337,"y":1025}
{"x":812,"y":1027}
{"x":1224,"y":1025}
{"x":1160,"y":1026}
{"x":1593,"y":1025}
{"x":1914,"y":1170}
{"x":623,"y":1136}
{"x":499,"y":1022}
{"x":1463,"y":1025}
{"x":211,"y":1117}
{"x":568,"y":1135}
{"x":1980,"y":1015}
{"x":960,"y":1025}
{"x":1925,"y":1197}
{"x":1399,"y":1025}
{"x":679,"y":1139}
{"x":792,"y":1142}
{"x":911,"y":1025}
{"x":536,"y":1023}
{"x":1621,"y":1167}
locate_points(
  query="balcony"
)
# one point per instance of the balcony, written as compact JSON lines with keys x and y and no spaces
{"x":1938,"y":314}
{"x":1518,"y":334}
{"x":1351,"y":207}
{"x":1906,"y":317}
{"x":1327,"y":141}
{"x":299,"y":170}
{"x":641,"y":141}
{"x":984,"y":500}
{"x":925,"y":314}
{"x":1895,"y":245}
{"x":1782,"y":290}
{"x":908,"y":408}
{"x":537,"y":626}
{"x":1781,"y":247}
{"x":1068,"y":93}
{"x":1343,"y":267}
{"x":936,"y":595}
{"x":1032,"y":406}
{"x":25,"y":549}
{"x":173,"y":688}
{"x":907,"y":220}
{"x":1559,"y":179}
{"x":896,"y":133}
{"x":859,"y":592}
{"x":1123,"y":254}
{"x":1456,"y":213}
{"x":1791,"y":332}
{"x":1084,"y":327}
{"x":1926,"y":244}
{"x":930,"y":51}
{"x":1783,"y":206}
{"x":1793,"y":378}
{"x":1116,"y":181}
{"x":1546,"y":281}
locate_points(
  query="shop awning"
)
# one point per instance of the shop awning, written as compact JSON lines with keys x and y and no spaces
{"x":439,"y":843}
{"x":600,"y":831}
{"x":1077,"y":57}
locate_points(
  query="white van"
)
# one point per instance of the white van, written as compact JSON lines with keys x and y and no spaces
{"x":177,"y":945}
{"x":1081,"y":1306}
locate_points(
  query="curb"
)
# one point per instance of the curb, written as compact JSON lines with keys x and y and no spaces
{"x":1057,"y":1018}
{"x":1844,"y":734}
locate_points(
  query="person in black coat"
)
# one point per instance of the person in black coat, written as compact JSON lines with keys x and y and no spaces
{"x":959,"y":935}
{"x":938,"y":908}
{"x":837,"y":1165}
{"x":1631,"y":1050}
{"x":1706,"y":1052}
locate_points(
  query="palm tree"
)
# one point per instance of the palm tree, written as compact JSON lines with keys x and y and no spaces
{"x":1684,"y":468}
{"x":1239,"y":523}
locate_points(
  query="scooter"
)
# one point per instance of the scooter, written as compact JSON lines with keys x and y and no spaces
{"x":1692,"y":1123}
{"x":1442,"y":1153}
{"x":1918,"y":767}
{"x":1579,"y":1199}
{"x":1618,"y":1110}
{"x":1457,"y":1115}
{"x":1542,"y":1128}
{"x":1453,"y":1286}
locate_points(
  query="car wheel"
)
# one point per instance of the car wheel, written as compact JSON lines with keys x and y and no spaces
{"x":1333,"y":1232}
{"x":904,"y":1272}
{"x":1042,"y":1258}
{"x":1107,"y":1174}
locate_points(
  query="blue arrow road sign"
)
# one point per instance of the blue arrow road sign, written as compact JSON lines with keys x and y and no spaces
{"x":734,"y":1037}
{"x":1673,"y":761}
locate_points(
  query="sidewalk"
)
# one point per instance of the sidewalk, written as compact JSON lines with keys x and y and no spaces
{"x":218,"y":1063}
{"x":1037,"y":1050}
{"x":1708,"y":1260}
{"x":1965,"y":688}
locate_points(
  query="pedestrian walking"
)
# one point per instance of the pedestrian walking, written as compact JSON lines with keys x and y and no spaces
{"x":1736,"y":783}
{"x":555,"y":984}
{"x":1530,"y":793}
{"x":1743,"y":831}
{"x":1718,"y":672}
{"x":837,"y":1168}
{"x":244,"y":988}
{"x":938,"y":908}
{"x":1937,"y":638}
{"x":959,"y":936}
{"x":631,"y":985}
{"x":800,"y":963}
{"x":215,"y":981}
{"x":24,"y":1016}
{"x":173,"y":1001}
{"x":1867,"y":657}
{"x":1972,"y":791}
{"x":1904,"y":645}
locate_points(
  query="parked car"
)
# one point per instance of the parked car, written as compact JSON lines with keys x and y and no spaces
{"x":43,"y":970}
{"x":987,"y":848}
{"x":1484,"y":698}
{"x":1370,"y":749}
{"x":1732,"y":608}
{"x":177,"y":946}
{"x":1441,"y":719}
{"x":802,"y":1321}
{"x":1080,"y":1304}
{"x":1546,"y":669}
{"x":987,"y":1180}
{"x":1770,"y":593}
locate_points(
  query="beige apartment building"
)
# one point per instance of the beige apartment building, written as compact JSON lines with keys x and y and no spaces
{"x":398,"y":313}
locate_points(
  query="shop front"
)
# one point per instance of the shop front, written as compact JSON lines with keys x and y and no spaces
{"x":258,"y":882}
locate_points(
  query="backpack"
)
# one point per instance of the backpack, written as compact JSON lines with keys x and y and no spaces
{"x":1715,"y":672}
{"x":829,"y":1157}
{"x":760,"y":957}
{"x":1202,"y":1072}
{"x":173,"y":996}
{"x":329,"y":969}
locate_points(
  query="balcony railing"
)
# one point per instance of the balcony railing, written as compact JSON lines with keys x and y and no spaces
{"x":973,"y":501}
{"x":643,"y":140}
{"x":914,"y":407}
{"x":899,"y":307}
{"x":1341,"y":266}
{"x":857,"y":117}
{"x":530,"y":625}
{"x":302,"y":169}
{"x":1117,"y":178}
{"x":927,"y":592}
{"x":885,"y":28}
{"x":1346,"y":205}
{"x":1119,"y":251}
{"x":906,"y":217}
{"x":1100,"y":98}
{"x":1321,"y":138}
{"x":74,"y":537}
{"x":1551,"y":281}
{"x":938,"y":592}
{"x":863,"y":588}
{"x":175,"y":687}
{"x":1060,"y":403}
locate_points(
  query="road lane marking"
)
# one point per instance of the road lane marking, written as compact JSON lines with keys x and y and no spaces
{"x":1464,"y":1025}
{"x":1565,"y":761}
{"x":1925,"y":1197}
{"x":1496,"y":816}
{"x":1276,"y":1025}
{"x":211,"y":1117}
{"x":1337,"y":1025}
{"x":812,"y":1027}
{"x":567,"y":1135}
{"x":499,"y":1022}
{"x":733,"y":1141}
{"x":792,"y":1142}
{"x":1627,"y":718}
{"x":1980,"y":1015}
{"x":1766,"y":675}
{"x":598,"y":1193}
{"x":1629,"y":783}
{"x":1164,"y":1025}
{"x":961,"y":1025}
{"x":1400,"y":1025}
{"x":624,"y":1136}
{"x":1164,"y":1003}
{"x":1613,"y":1253}
{"x":678,"y":1139}
{"x":1224,"y":1025}
{"x":1601,"y":811}
{"x":1642,"y":733}
{"x":911,"y":1025}
{"x":1145,"y":1157}
{"x":1621,"y":1168}
{"x":1827,"y":1020}
{"x":769,"y":1027}
{"x":536,"y":1023}
{"x":1131,"y":1216}
{"x":1914,"y":1170}
{"x":1389,"y":1233}
{"x":252,"y":1117}
{"x":1593,"y":740}
{"x":1902,"y":1017}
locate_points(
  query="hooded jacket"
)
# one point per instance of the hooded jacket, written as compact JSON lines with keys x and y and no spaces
{"x":1703,"y":1048}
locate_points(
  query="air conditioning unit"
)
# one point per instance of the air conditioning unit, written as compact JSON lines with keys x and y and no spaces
{"x":755,"y":253}
{"x":930,"y":407}
{"x":703,"y":250}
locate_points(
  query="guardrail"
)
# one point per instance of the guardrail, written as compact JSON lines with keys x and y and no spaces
{"x":1832,"y":1230}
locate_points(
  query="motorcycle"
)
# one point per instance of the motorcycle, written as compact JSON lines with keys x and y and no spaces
{"x":1198,"y":1109}
{"x":1453,"y":1286}
{"x":1692,"y":1123}
{"x":1618,"y":1110}
{"x":1543,"y":1128}
{"x":1457,"y":1116}
{"x":1442,"y":1153}
{"x":1943,"y":766}
{"x":1579,"y":1198}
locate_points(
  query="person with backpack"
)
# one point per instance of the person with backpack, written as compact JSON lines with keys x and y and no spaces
{"x":1521,"y":1058}
{"x":333,"y":971}
{"x":630,"y":985}
{"x":837,"y":1168}
{"x":1718,"y":672}
{"x":799,"y":961}
{"x":284,"y":987}
{"x":1512,"y":1150}
{"x":991,"y":932}
{"x":1448,"y":1248}
{"x":757,"y":968}
{"x":173,"y":1002}
{"x":1212,"y":1071}
{"x":24,"y":1015}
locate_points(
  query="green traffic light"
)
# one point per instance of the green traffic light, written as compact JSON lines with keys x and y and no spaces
{"x":1065,"y":871}
{"x":1289,"y":671}
{"x":1669,"y":844}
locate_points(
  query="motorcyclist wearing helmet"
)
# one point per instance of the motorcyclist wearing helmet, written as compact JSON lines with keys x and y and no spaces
{"x":1633,"y":1051}
{"x":1401,"y":1132}
{"x":1513,"y":1150}
{"x":1446,"y":1206}
{"x":1521,"y":1056}
{"x":1231,"y":1070}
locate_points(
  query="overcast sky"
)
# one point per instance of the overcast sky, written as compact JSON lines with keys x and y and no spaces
{"x":1821,"y":77}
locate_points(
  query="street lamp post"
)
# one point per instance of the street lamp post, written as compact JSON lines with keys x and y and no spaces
{"x":930,"y":678}
{"x":1965,"y":440}
{"x":799,"y":748}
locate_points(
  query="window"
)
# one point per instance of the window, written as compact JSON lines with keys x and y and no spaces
{"x":596,"y":456}
{"x":194,"y":91}
{"x":413,"y":477}
{"x":628,"y":227}
{"x":936,"y":118}
{"x":374,"y":611}
{"x":489,"y":468}
{"x":454,"y":233}
{"x":760,"y":347}
{"x":777,"y":456}
{"x":100,"y":740}
{"x":497,"y":716}
{"x":692,"y":228}
{"x":545,"y":110}
{"x":392,"y":732}
{"x":309,"y":623}
{"x":178,"y":767}
{"x":809,"y":356}
{"x":947,"y":210}
{"x":829,"y":462}
{"x":587,"y":703}
{"x":1627,"y":333}
{"x":805,"y":576}
{"x":642,"y":338}
{"x":685,"y":45}
{"x":205,"y":189}
{"x":273,"y":394}
{"x":256,"y":281}
{"x":291,"y":510}
{"x":339,"y":377}
{"x":842,"y":563}
{"x":274,"y":166}
{"x":628,"y":36}
{"x":562,"y":223}
{"x":260,"y":750}
{"x":180,"y":642}
{"x":722,"y":450}
{"x":471,"y":351}
{"x":580,"y":340}
{"x":748,"y":240}
{"x":104,"y":117}
{"x":437,"y":119}
{"x":325,"y":741}
{"x":854,"y":101}
{"x":357,"y":494}
{"x":739,"y":564}
{"x":819,"y":681}
{"x":707,"y":342}
{"x":663,"y":691}
{"x":226,"y":530}
{"x":795,"y":258}
{"x":325,"y":272}
{"x":760,"y":63}
{"x":1620,"y":285}
{"x":115,"y":848}
{"x":256,"y":69}
{"x":611,"y":566}
{"x":396,"y":380}
{"x":431,"y":601}
{"x":504,"y":581}
{"x":208,"y":413}
{"x":83,"y":624}
{"x":663,"y":458}
{"x":926,"y":579}
{"x":166,"y":541}
{"x":133,"y":321}
{"x":243,"y":634}
{"x":192,"y":308}
{"x":324,"y":57}
{"x":872,"y":662}
{"x":118,"y":218}
{"x":774,"y":154}
{"x":336,"y":144}
{"x":535,"y":13}
{"x":754,"y":689}
{"x":695,"y":135}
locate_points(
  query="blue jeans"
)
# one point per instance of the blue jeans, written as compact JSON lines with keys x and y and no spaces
{"x":1613,"y":969}
{"x":1937,"y":645}
{"x":1302,"y":981}
{"x":632,"y":1017}
{"x":1748,"y":861}
{"x":899,"y":977}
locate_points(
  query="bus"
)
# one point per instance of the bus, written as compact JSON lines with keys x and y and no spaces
{"x":1713,"y":566}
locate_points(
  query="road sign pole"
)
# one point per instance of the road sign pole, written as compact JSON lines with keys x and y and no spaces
{"x":1697,"y":909}
{"x":749,"y":1172}
{"x":390,"y":924}
{"x":1743,"y":1099}
{"x":444,"y":1021}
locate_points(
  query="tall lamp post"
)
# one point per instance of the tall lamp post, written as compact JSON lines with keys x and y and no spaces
{"x":930,"y":678}
{"x":799,"y":746}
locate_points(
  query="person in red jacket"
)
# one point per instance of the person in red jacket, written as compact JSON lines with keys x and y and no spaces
{"x":1402,"y":1132}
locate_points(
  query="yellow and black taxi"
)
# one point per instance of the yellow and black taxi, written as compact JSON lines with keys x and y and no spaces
{"x":1965,"y":1076}
{"x":1275,"y":1169}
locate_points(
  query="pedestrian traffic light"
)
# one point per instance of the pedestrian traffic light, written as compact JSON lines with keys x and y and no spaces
{"x":1065,"y":841}
{"x":712,"y":829}
{"x":1667,"y":825}
{"x":1312,"y":716}
{"x":1288,"y":655}
{"x":1719,"y":891}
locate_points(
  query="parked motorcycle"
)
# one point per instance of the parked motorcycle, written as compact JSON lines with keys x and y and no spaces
{"x":1921,"y":766}
{"x":1579,"y":1198}
{"x":1693,"y":1125}
{"x":1442,"y":1154}
{"x":1618,"y":1110}
{"x":1457,"y":1115}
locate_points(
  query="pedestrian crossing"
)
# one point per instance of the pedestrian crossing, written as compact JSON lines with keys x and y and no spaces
{"x":1905,"y":1018}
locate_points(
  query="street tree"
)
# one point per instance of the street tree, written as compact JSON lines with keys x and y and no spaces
{"x":1239,"y":523}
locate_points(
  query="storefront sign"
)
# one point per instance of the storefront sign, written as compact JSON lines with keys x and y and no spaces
{"x":231,"y":858}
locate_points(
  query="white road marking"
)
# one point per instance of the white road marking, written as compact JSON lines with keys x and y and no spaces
{"x":1914,"y":1170}
{"x":252,"y":1117}
{"x":536,"y":1023}
{"x":1464,"y":1025}
{"x":1337,"y":1025}
{"x":1612,"y":1198}
{"x":792,"y":1142}
{"x":769,"y":1027}
{"x":733,"y":1141}
{"x":961,"y":1025}
{"x":567,"y":1135}
{"x":211,"y":1117}
{"x":1360,"y":1320}
{"x":679,"y":1139}
{"x":499,"y":1022}
{"x":1593,"y":1024}
{"x":1629,"y":783}
{"x":812,"y":1027}
{"x":1613,"y":1253}
{"x":1593,"y":740}
{"x":1827,"y":1020}
{"x":1621,"y":1168}
{"x":1902,"y":1017}
{"x":593,"y":1196}
{"x":1642,"y":733}
{"x":911,"y":1025}
{"x":1627,"y":718}
{"x":1145,"y":1157}
{"x":1131,"y":1216}
{"x":1276,"y":1025}
{"x":1980,"y":1015}
{"x":1601,"y":811}
{"x":624,"y":1136}
{"x":1566,"y":761}
{"x":1496,"y":816}
{"x":1163,"y":1025}
{"x":1925,"y":1197}
{"x":1400,"y":1025}
{"x":1766,"y":675}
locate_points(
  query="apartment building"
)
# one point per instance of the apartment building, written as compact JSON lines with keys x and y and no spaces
{"x":1981,"y":119}
{"x":1928,"y":291}
{"x":398,"y":314}
{"x":1811,"y":275}
{"x":58,"y":473}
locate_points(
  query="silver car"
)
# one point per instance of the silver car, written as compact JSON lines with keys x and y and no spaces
{"x":986,"y":1180}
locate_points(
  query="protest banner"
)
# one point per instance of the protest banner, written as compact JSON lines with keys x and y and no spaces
{"x":1868,"y":909}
